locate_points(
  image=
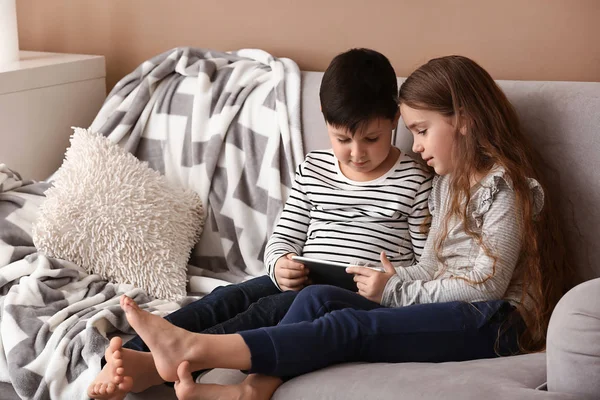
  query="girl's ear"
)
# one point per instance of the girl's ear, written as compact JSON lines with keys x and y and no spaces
{"x":462,"y":124}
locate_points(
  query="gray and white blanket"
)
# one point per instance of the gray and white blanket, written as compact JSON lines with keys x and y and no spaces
{"x":54,"y":317}
{"x":224,"y":124}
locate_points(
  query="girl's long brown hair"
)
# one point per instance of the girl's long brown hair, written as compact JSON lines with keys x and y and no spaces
{"x":459,"y":88}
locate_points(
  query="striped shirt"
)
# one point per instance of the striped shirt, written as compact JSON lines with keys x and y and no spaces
{"x":331,"y":217}
{"x":492,"y":212}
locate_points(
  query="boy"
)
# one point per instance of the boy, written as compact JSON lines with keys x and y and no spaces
{"x":362,"y":196}
{"x":347,"y":204}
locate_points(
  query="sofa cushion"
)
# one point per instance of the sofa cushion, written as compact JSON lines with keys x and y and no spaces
{"x":112,"y":215}
{"x":560,"y":118}
{"x":502,"y":378}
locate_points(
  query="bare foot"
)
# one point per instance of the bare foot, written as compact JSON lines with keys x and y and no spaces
{"x":111,"y":383}
{"x":169,"y":345}
{"x":187,"y":389}
{"x":255,"y":387}
{"x":140,"y":367}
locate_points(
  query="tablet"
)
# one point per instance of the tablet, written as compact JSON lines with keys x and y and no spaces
{"x":330,"y":272}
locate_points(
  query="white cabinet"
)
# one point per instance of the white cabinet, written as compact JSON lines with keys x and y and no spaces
{"x":41,"y":97}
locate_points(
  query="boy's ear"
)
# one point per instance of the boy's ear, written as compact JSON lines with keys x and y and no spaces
{"x":396,"y":119}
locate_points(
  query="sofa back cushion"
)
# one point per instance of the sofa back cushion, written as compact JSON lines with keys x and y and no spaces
{"x":562,"y":120}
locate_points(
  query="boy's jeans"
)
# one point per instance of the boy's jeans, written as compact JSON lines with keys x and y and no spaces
{"x":252,"y":304}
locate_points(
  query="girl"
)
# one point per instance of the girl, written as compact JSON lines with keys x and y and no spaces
{"x":491,"y":272}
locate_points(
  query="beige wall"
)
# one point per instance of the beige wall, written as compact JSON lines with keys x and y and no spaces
{"x":513,"y":39}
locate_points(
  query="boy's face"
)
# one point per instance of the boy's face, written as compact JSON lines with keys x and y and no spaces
{"x":367,"y":155}
{"x":434,"y":136}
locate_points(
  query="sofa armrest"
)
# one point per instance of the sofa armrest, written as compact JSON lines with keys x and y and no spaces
{"x":573,"y":345}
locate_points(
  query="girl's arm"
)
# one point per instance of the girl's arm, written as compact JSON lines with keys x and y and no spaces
{"x":290,"y":232}
{"x":477,"y":279}
{"x":424,"y":270}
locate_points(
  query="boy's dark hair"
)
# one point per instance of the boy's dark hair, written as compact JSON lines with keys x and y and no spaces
{"x":358,"y":86}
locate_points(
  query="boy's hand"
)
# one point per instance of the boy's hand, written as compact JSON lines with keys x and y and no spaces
{"x":290,"y":274}
{"x":370,"y":282}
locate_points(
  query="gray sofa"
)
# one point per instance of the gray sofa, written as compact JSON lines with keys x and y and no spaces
{"x":563,"y":121}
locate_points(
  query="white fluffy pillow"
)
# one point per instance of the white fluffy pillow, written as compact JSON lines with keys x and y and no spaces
{"x":114,"y":216}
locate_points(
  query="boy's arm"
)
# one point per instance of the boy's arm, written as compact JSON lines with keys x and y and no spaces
{"x":486,"y":280}
{"x":419,"y":215}
{"x":290,"y":232}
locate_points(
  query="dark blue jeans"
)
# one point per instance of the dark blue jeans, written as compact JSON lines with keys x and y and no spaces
{"x":327,"y":325}
{"x":252,"y":304}
{"x":229,"y":309}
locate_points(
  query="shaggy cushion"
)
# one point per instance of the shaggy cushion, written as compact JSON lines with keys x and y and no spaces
{"x":114,"y":216}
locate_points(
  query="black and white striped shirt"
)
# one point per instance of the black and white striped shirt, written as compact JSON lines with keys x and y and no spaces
{"x":331,"y":217}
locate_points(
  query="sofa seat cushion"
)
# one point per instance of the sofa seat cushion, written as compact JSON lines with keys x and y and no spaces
{"x":502,"y":378}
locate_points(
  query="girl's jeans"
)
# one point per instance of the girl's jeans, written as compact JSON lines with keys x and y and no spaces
{"x":327,"y":325}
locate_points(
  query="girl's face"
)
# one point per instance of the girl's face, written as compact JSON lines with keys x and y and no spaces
{"x":434,"y":136}
{"x":368,"y":154}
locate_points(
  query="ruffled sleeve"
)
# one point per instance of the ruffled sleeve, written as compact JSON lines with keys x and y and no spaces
{"x":538,"y":196}
{"x":490,"y":187}
{"x":432,"y":198}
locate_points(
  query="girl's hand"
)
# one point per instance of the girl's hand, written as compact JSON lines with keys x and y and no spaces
{"x":370,"y":282}
{"x":290,"y":274}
